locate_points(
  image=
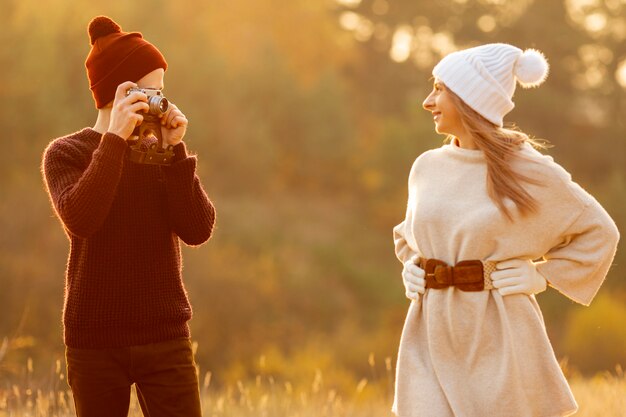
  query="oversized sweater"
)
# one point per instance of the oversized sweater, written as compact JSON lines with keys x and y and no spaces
{"x":123,"y":282}
{"x":478,"y":354}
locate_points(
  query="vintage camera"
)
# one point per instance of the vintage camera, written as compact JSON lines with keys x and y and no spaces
{"x":156,"y":100}
{"x":154,"y":154}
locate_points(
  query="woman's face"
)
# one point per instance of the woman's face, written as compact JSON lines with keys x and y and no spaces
{"x":445,"y":114}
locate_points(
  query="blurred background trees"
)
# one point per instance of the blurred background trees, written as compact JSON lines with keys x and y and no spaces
{"x":306,"y":117}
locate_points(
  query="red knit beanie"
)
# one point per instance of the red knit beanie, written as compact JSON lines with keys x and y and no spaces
{"x":116,"y":57}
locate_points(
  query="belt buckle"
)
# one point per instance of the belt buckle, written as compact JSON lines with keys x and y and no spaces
{"x":444,"y":275}
{"x":469,"y":275}
{"x":432,"y":269}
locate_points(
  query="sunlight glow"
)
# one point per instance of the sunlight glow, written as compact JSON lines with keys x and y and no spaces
{"x":594,"y":59}
{"x":443,"y":43}
{"x":423,"y":46}
{"x":364,"y":30}
{"x":620,"y":74}
{"x":595,"y":22}
{"x":486,"y":23}
{"x":581,"y":6}
{"x":598,"y":18}
{"x":361,"y":27}
{"x":593,"y":54}
{"x":502,"y":13}
{"x":349,"y":3}
{"x":401,"y":43}
{"x":595,"y":76}
{"x":349,"y":20}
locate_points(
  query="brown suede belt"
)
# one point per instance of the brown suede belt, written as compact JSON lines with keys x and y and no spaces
{"x":474,"y":275}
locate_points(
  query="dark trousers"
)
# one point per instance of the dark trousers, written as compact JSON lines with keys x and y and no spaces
{"x":164,"y":373}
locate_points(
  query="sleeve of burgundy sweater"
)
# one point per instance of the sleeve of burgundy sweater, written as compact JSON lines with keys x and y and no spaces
{"x":82,"y":197}
{"x":190,"y":211}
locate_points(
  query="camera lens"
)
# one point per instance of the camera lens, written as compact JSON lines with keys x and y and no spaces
{"x":163,"y":105}
{"x":158,"y":105}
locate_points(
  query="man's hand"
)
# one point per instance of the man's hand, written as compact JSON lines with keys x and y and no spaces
{"x":126,"y":111}
{"x":413,"y":278}
{"x":518,"y":276}
{"x":173,"y":126}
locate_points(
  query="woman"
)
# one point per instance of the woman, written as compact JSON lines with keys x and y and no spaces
{"x":474,"y":341}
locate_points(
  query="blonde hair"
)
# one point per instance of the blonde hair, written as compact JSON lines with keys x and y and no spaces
{"x":500,"y":146}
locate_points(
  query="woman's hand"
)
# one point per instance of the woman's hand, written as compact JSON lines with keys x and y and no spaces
{"x":518,"y":276}
{"x":413,"y":278}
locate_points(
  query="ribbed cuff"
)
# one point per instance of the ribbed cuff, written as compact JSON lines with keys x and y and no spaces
{"x":183,"y":165}
{"x":103,"y":337}
{"x":112,"y":146}
{"x":180,"y":152}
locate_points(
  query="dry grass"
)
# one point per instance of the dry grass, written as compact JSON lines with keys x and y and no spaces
{"x":603,"y":395}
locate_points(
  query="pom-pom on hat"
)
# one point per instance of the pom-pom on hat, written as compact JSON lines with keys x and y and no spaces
{"x":116,"y":57}
{"x":484,"y":77}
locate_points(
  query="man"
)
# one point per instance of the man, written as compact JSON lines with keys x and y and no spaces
{"x":126,"y":309}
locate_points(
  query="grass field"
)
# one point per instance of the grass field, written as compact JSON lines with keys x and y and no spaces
{"x":601,"y":396}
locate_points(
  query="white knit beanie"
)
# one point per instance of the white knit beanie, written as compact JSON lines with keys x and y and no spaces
{"x":484,"y":77}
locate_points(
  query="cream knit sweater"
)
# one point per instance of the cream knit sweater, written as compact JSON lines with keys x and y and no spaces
{"x":478,"y":354}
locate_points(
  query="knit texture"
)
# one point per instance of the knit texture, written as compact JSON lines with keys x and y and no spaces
{"x":123,"y":281}
{"x":478,"y":354}
{"x":484,"y":77}
{"x":116,"y":57}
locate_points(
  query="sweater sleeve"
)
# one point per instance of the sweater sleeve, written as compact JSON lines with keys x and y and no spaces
{"x":403,"y":250}
{"x":578,"y":264}
{"x":190,"y":211}
{"x":82,"y":197}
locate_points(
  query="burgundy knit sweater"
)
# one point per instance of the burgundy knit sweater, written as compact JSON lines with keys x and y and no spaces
{"x":123,"y":282}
